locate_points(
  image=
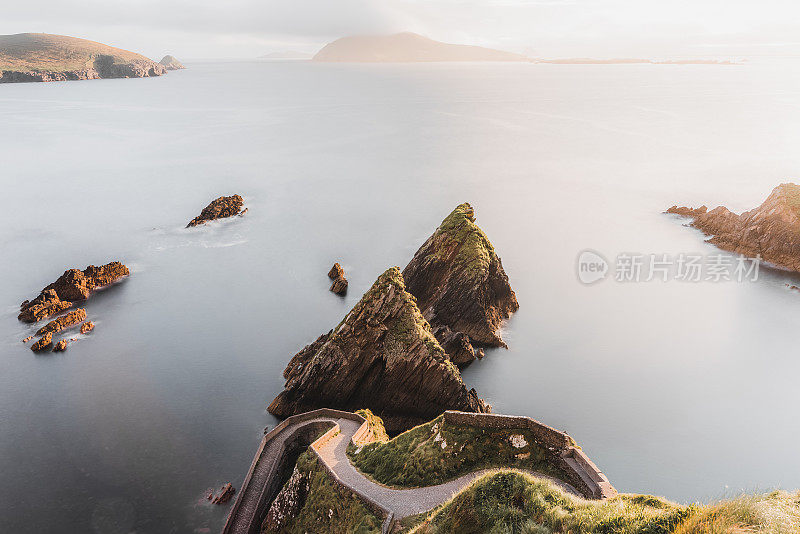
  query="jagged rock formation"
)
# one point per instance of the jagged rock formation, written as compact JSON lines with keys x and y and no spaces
{"x":44,"y":343}
{"x":288,"y":502}
{"x":71,"y":286}
{"x":456,"y":345}
{"x":171,"y":63}
{"x":459,"y":281}
{"x":218,"y":209}
{"x":687,"y":212}
{"x":339,"y":285}
{"x":88,"y":326}
{"x":46,"y":304}
{"x":42,"y":57}
{"x":771,"y":230}
{"x":65,"y":321}
{"x":382,"y":356}
{"x":61,"y":346}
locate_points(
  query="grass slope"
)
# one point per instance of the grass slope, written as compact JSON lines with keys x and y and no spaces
{"x":436,"y":452}
{"x":513,"y":502}
{"x":41,"y":52}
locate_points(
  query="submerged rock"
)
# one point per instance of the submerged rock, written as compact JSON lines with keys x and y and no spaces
{"x":771,"y":230}
{"x":65,"y":321}
{"x":61,"y":346}
{"x":382,"y":356}
{"x":219,"y":208}
{"x":88,"y":326}
{"x":44,"y":343}
{"x":46,"y":304}
{"x":459,"y":281}
{"x":224,"y":495}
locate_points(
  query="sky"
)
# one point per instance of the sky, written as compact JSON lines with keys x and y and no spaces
{"x":196,"y":29}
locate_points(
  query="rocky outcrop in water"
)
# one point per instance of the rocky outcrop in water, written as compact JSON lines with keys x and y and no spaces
{"x":687,"y":212}
{"x":456,"y":345}
{"x":61,"y":346}
{"x":225,"y":493}
{"x":382,"y":356}
{"x":219,"y":208}
{"x":88,"y":326}
{"x":65,"y":321}
{"x":44,"y":343}
{"x":71,"y":286}
{"x":339,"y":285}
{"x":171,"y":63}
{"x":771,"y":230}
{"x":288,"y":503}
{"x":459,"y":281}
{"x":46,"y":304}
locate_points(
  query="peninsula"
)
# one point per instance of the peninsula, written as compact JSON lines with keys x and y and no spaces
{"x":407,"y":47}
{"x":42,"y":57}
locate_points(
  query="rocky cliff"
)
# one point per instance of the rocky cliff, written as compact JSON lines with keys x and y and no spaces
{"x":459,"y":281}
{"x":41,"y":57}
{"x":771,"y":230}
{"x":382,"y":356}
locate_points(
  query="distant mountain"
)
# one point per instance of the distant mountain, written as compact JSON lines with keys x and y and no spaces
{"x":41,"y":57}
{"x":407,"y":47}
{"x":286,"y":54}
{"x":171,"y":63}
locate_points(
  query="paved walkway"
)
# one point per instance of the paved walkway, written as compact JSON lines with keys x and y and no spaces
{"x":402,"y":502}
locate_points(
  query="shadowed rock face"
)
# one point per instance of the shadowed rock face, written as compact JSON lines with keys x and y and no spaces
{"x":219,"y":209}
{"x":382,"y":356}
{"x":459,"y":281}
{"x":44,"y":343}
{"x":43,"y":306}
{"x":771,"y":230}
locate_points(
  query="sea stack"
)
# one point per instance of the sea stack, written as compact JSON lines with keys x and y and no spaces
{"x":771,"y":230}
{"x":382,"y":356}
{"x":171,"y":63}
{"x":339,"y":285}
{"x":219,"y":208}
{"x":459,"y":282}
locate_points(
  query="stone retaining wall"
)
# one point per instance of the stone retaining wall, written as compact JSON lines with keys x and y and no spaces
{"x":581,"y":472}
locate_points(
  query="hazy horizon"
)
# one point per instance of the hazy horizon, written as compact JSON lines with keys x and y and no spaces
{"x":541,"y":28}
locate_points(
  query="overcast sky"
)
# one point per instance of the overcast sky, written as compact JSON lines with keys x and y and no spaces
{"x":550,"y":28}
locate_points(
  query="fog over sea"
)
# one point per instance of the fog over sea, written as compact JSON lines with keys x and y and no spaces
{"x":686,"y":390}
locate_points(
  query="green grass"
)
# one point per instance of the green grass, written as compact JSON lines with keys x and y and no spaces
{"x":514,"y":502}
{"x":777,"y":512}
{"x":435,"y":452}
{"x":475,"y":252}
{"x":329,"y":508}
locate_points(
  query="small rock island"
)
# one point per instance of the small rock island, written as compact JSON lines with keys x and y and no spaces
{"x":771,"y":230}
{"x":219,"y":208}
{"x":171,"y":63}
{"x":42,"y":57}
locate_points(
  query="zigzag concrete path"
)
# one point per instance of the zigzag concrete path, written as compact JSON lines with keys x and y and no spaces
{"x":402,"y":502}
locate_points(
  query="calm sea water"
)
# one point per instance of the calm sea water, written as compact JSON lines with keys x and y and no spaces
{"x":687,"y":390}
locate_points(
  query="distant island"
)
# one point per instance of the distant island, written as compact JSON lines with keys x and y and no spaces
{"x":631,"y":61}
{"x":287,"y":54}
{"x":42,"y":57}
{"x":171,"y":63}
{"x":407,"y":47}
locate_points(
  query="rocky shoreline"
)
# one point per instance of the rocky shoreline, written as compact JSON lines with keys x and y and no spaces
{"x":770,"y":231}
{"x":111,"y":70}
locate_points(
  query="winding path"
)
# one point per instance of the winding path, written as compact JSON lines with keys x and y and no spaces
{"x":263,"y":480}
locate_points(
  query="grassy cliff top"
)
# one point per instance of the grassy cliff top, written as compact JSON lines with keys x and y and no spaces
{"x":436,"y":452}
{"x":510,"y":501}
{"x":55,"y":53}
{"x":475,"y":251}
